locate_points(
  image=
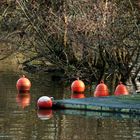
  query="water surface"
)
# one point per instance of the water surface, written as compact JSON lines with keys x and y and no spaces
{"x":20,"y":119}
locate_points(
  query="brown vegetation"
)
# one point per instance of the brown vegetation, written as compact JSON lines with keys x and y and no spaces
{"x":90,"y":39}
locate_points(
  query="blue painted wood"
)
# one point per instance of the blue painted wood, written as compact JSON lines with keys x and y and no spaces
{"x":123,"y":104}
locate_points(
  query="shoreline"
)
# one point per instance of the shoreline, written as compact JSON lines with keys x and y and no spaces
{"x":9,"y":64}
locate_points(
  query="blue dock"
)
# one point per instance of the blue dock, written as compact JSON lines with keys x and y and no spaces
{"x":122,"y":104}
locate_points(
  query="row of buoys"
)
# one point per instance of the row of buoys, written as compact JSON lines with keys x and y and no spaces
{"x":77,"y":88}
{"x":23,"y":99}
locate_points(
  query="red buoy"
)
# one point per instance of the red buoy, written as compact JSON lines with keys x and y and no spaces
{"x":101,"y":90}
{"x":45,"y":114}
{"x":78,"y":86}
{"x":44,"y":102}
{"x":121,"y":90}
{"x":23,"y":100}
{"x":23,"y":84}
{"x":77,"y":95}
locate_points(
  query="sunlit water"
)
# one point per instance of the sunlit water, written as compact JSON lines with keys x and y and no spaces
{"x":20,"y":119}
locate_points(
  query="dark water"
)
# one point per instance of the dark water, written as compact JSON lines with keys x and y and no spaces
{"x":20,"y":120}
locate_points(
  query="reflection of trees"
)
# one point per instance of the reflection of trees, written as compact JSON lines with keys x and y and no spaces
{"x":90,"y":128}
{"x":16,"y":123}
{"x":24,"y":124}
{"x":13,"y":121}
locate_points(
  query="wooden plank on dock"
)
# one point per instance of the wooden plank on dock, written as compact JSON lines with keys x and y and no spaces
{"x":123,"y":104}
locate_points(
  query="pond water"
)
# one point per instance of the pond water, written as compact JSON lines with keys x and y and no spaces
{"x":20,"y":119}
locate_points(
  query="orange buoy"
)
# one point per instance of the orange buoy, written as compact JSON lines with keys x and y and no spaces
{"x":121,"y":89}
{"x":23,"y":84}
{"x":78,"y":86}
{"x":44,"y":102}
{"x":77,"y":95}
{"x":45,"y":114}
{"x":101,"y":90}
{"x":23,"y":100}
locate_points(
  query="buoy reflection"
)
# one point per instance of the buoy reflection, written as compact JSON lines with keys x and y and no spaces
{"x":23,"y":99}
{"x":77,"y":95}
{"x":44,"y":114}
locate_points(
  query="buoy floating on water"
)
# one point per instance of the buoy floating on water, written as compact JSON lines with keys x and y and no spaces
{"x":44,"y":102}
{"x":121,"y":90}
{"x":78,"y":86}
{"x":23,"y":84}
{"x":101,"y":90}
